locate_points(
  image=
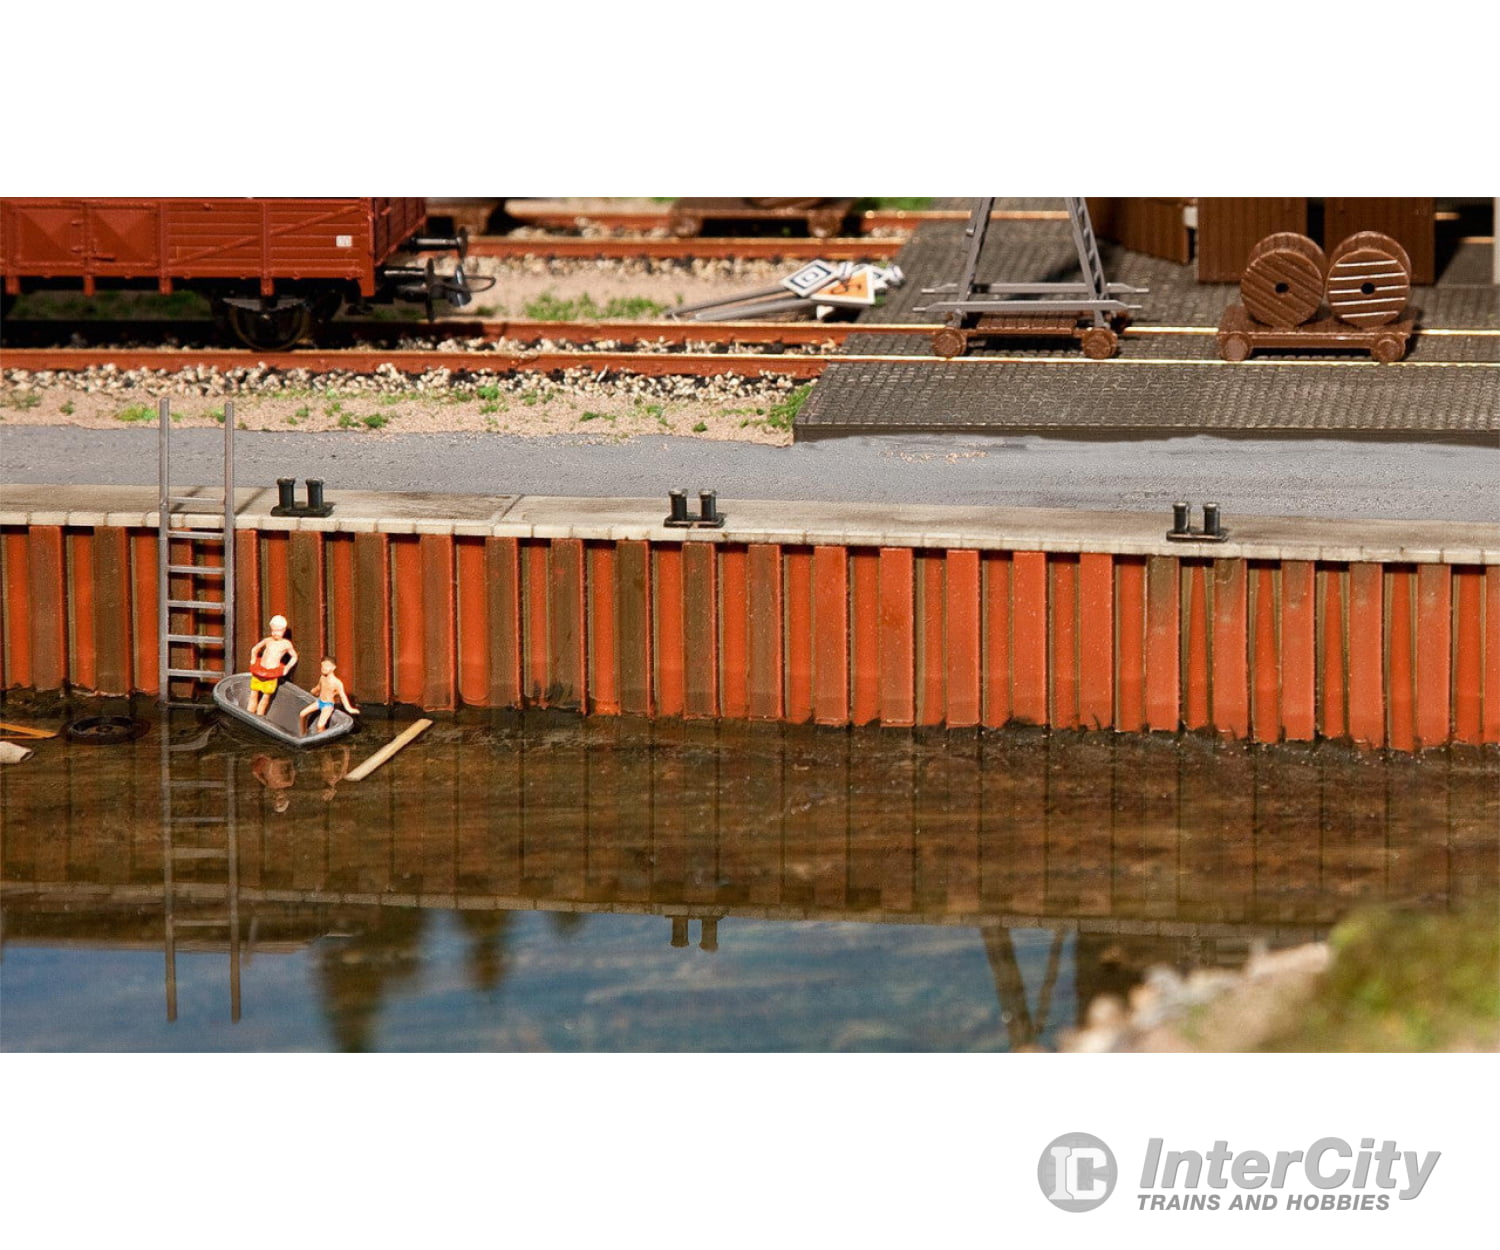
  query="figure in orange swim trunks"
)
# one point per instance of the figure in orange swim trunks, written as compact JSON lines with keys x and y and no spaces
{"x":270,"y":658}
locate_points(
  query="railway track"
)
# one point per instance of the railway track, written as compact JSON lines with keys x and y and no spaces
{"x":645,"y":247}
{"x":44,"y":334}
{"x":649,"y":364}
{"x":342,"y":335}
{"x":559,"y":218}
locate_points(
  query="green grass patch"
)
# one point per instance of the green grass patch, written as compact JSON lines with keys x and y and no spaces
{"x":780,"y":416}
{"x":550,"y":307}
{"x":700,"y":428}
{"x":375,"y":421}
{"x":67,"y":409}
{"x":893,"y":204}
{"x":111,"y":306}
{"x":137,"y":412}
{"x":1407,"y":981}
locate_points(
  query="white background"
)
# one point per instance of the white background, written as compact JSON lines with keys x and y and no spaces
{"x":647,"y":99}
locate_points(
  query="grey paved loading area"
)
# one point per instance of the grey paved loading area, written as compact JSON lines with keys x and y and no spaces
{"x":1448,"y":381}
{"x":1431,"y":480}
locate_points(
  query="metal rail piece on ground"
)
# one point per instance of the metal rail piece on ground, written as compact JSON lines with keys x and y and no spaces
{"x":818,"y":287}
{"x":973,"y":308}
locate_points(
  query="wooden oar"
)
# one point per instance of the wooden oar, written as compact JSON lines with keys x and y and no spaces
{"x":388,"y":750}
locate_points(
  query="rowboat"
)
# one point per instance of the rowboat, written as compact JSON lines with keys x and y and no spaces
{"x":232,"y":694}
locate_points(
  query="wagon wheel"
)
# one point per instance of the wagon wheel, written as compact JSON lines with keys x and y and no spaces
{"x":824,"y":224}
{"x":949,"y":342}
{"x":1369,"y":279}
{"x":1099,"y":342}
{"x":1388,"y":348}
{"x":1235,"y":347}
{"x":270,"y":330}
{"x":1282,"y":282}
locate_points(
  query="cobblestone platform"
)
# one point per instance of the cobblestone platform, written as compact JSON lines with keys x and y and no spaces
{"x":1099,"y":396}
{"x":1449,"y":382}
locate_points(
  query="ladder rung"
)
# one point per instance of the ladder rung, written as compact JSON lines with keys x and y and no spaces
{"x":200,"y":924}
{"x":197,"y":820}
{"x":198,"y":852}
{"x":203,"y":674}
{"x":205,"y":570}
{"x":207,"y":536}
{"x":198,"y":785}
{"x":198,"y":605}
{"x":203,"y":640}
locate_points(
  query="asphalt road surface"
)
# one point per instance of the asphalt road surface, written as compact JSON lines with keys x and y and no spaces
{"x":1259,"y":476}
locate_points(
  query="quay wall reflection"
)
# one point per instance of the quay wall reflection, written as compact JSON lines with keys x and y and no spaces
{"x":703,"y":820}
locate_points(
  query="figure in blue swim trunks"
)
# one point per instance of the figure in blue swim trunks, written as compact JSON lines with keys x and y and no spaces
{"x":328,"y":690}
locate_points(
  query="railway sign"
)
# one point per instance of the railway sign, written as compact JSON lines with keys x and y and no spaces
{"x":814,"y":276}
{"x":855,"y":291}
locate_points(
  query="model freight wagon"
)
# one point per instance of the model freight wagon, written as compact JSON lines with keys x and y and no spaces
{"x":274,"y":269}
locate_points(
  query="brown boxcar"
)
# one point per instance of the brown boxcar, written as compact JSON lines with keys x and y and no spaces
{"x":186,"y":239}
{"x":269,"y":264}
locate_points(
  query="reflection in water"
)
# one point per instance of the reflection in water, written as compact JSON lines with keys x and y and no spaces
{"x":357,"y":973}
{"x":1013,"y":878}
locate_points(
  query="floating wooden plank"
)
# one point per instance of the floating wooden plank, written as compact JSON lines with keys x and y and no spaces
{"x":407,"y":735}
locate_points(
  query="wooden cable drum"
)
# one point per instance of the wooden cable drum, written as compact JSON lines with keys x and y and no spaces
{"x":1282,"y":282}
{"x":1369,"y":279}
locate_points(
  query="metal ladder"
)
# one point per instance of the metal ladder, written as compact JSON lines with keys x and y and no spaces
{"x":1088,"y":253}
{"x":177,"y":522}
{"x":193,"y":811}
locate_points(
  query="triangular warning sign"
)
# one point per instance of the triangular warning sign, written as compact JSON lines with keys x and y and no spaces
{"x":855,"y":291}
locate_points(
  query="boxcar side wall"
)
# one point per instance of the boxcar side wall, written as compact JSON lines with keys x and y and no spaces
{"x":270,"y":240}
{"x":394,"y":220}
{"x":187,"y":239}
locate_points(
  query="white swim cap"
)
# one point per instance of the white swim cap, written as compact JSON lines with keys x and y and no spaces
{"x":278,"y":622}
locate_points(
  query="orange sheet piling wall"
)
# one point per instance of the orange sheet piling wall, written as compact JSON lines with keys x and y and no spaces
{"x":1399,"y":655}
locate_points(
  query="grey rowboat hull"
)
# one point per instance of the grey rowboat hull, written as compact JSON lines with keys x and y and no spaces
{"x":280,"y":722}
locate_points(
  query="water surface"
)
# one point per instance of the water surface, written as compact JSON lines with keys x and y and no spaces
{"x":549,"y":883}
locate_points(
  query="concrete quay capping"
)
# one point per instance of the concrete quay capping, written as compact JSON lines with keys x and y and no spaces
{"x":355,"y":512}
{"x":789,"y":523}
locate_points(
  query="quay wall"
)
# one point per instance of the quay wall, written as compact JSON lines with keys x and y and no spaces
{"x":1385,"y":633}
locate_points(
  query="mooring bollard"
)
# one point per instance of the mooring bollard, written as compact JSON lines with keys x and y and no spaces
{"x":286,"y":492}
{"x":314,"y":494}
{"x":1182,"y":530}
{"x":709,"y":516}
